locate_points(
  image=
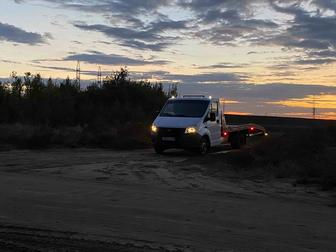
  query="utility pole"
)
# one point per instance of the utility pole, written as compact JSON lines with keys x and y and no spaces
{"x":78,"y":73}
{"x":314,"y":107}
{"x":169,"y":90}
{"x":99,"y":76}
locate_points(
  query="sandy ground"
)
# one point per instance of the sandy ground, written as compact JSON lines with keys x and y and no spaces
{"x":100,"y":200}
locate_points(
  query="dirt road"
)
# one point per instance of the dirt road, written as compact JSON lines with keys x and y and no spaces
{"x":99,"y":200}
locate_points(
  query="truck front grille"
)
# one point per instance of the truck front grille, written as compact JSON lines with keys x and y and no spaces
{"x":171,"y":132}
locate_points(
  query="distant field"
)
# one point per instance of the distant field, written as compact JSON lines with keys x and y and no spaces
{"x":126,"y":136}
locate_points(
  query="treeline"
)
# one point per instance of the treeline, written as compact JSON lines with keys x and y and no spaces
{"x":33,"y":101}
{"x":118,"y":104}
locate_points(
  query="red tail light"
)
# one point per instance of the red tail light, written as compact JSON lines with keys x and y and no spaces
{"x":224,"y":133}
{"x":252,"y":130}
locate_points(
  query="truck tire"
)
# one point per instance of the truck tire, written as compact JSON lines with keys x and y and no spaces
{"x":237,"y":140}
{"x":204,"y":146}
{"x":158,"y":149}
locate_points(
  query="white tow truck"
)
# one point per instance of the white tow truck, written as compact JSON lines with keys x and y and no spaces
{"x":196,"y":122}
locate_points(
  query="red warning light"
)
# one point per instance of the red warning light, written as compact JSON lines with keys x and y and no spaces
{"x":225,"y":133}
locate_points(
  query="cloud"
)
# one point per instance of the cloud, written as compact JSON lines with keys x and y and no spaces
{"x":231,"y":23}
{"x":9,"y":61}
{"x":234,"y":19}
{"x":222,"y":66}
{"x":325,"y":4}
{"x":304,"y":27}
{"x":119,"y":32}
{"x":63,"y":69}
{"x":251,"y":92}
{"x":321,"y":61}
{"x":140,"y":45}
{"x":103,"y":42}
{"x":144,"y":38}
{"x":108,"y":6}
{"x":142,"y":21}
{"x":314,"y":31}
{"x":76,"y":42}
{"x":244,"y":6}
{"x":126,"y":26}
{"x":14,"y":34}
{"x":205,"y":78}
{"x":323,"y":53}
{"x":235,"y":86}
{"x":111,"y":59}
{"x":118,"y":6}
{"x":235,"y":31}
{"x":72,"y":70}
{"x":166,"y":25}
{"x":227,"y":22}
{"x":306,"y":30}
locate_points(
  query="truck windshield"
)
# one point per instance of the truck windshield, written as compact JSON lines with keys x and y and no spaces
{"x":185,"y":108}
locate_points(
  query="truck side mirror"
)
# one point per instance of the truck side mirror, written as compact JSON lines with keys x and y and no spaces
{"x":212,"y":116}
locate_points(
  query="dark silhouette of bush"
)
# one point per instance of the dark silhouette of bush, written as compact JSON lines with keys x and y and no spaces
{"x":119,"y":101}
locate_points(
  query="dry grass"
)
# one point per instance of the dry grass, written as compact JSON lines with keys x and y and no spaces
{"x":126,"y":136}
{"x":306,"y":155}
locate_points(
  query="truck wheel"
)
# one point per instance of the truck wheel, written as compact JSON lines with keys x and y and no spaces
{"x":204,"y":146}
{"x":158,"y":149}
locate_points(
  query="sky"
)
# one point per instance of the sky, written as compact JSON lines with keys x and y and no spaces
{"x":266,"y":57}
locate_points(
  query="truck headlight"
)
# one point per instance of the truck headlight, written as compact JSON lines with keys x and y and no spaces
{"x":154,"y":129}
{"x":190,"y":130}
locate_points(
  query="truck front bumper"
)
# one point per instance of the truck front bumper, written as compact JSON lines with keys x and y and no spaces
{"x":184,"y":141}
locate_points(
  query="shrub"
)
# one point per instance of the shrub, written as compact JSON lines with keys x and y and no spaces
{"x":117,"y":114}
{"x":307,"y":155}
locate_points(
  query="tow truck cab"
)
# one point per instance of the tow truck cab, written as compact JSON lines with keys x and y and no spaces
{"x":190,"y":122}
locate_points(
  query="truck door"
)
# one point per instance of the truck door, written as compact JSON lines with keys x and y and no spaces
{"x":215,"y":127}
